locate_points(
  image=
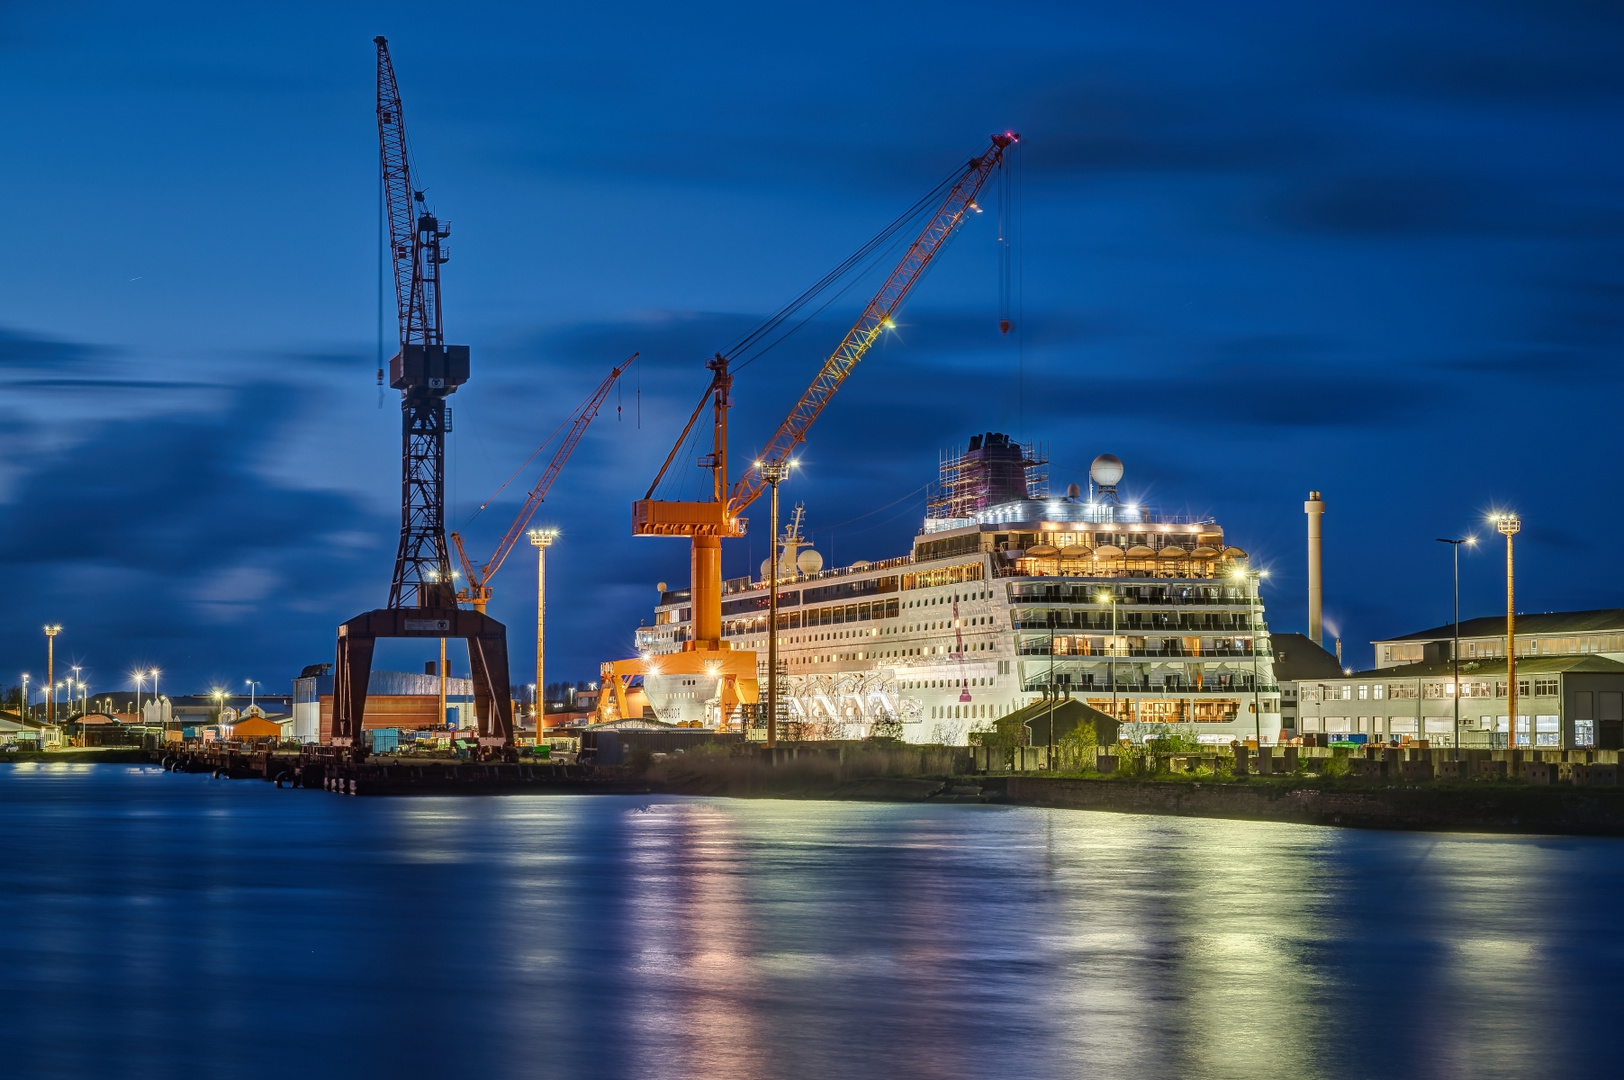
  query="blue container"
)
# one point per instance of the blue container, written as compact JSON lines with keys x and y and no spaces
{"x":384,"y":740}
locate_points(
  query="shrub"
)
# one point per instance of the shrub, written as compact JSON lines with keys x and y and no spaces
{"x":1076,"y":750}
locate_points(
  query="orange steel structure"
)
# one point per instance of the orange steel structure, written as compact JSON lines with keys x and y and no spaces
{"x":708,"y":522}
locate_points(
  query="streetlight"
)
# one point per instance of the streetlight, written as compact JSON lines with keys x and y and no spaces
{"x":1508,"y":524}
{"x":774,"y":473}
{"x":26,"y":713}
{"x":50,"y":669}
{"x":76,"y":682}
{"x":541,"y":539}
{"x":140,"y":678}
{"x":1108,"y":596}
{"x":1454,"y":547}
{"x":155,"y":704}
{"x":252,"y":683}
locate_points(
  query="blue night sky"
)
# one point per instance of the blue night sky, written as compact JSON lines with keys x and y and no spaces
{"x":1375,"y":249}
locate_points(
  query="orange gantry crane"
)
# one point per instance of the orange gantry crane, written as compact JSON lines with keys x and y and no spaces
{"x":478,"y":590}
{"x":707,"y":523}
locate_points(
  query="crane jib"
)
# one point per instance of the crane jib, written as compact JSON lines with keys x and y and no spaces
{"x":874,"y":320}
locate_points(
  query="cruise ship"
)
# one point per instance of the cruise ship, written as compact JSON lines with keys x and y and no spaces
{"x":1007,"y":596}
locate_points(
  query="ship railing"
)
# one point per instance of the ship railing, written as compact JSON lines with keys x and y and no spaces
{"x":1087,"y":596}
{"x":838,"y":571}
{"x":1042,"y":649}
{"x":1141,"y":686}
{"x":1168,"y":629}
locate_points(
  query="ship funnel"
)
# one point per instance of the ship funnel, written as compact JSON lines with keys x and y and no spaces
{"x":1315,"y":509}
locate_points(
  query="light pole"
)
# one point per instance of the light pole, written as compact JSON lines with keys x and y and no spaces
{"x":774,"y":473}
{"x":252,"y":684}
{"x":1052,"y":693}
{"x":26,"y":711}
{"x":1508,"y":525}
{"x":542,"y":539}
{"x":1454,"y":652}
{"x":140,"y":678}
{"x":50,"y":670}
{"x":75,"y":682}
{"x":1109,"y":596}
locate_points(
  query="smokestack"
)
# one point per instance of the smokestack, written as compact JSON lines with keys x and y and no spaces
{"x":1315,"y":509}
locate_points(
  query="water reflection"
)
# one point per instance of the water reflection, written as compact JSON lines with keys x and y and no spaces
{"x":159,"y":923}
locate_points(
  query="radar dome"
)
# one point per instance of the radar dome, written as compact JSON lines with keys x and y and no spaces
{"x":809,"y":562}
{"x":766,"y":568}
{"x":1073,"y":491}
{"x":1106,"y":470}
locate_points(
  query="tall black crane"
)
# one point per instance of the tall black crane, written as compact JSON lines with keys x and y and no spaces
{"x":425,"y":370}
{"x":422,"y":597}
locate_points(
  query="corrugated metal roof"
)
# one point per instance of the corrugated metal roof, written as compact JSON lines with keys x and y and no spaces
{"x":398,"y":683}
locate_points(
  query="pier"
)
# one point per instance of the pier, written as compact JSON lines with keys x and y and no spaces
{"x":320,"y":768}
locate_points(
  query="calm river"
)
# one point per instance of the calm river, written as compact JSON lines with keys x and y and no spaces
{"x":178,"y":926}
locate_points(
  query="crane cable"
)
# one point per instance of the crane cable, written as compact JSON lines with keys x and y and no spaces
{"x":861,"y":255}
{"x":754,"y":345}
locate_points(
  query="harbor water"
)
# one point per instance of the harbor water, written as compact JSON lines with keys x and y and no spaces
{"x":160,"y":925}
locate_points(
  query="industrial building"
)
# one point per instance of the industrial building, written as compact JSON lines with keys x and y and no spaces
{"x":395,"y":700}
{"x":1298,"y":659}
{"x":1572,"y":703}
{"x":1550,"y":633}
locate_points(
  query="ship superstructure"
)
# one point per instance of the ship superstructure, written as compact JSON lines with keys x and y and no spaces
{"x":1008,"y":595}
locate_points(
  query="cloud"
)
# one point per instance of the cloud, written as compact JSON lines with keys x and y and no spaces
{"x":153,"y":533}
{"x":23,"y":351}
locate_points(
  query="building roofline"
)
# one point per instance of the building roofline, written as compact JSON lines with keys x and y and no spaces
{"x":1536,"y":622}
{"x":1531,"y":665}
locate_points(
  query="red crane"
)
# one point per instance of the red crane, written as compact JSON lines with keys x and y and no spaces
{"x":478,"y":590}
{"x":875,"y":319}
{"x":706,"y":523}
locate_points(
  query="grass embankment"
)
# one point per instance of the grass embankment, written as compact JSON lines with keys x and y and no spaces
{"x":1146,"y":784}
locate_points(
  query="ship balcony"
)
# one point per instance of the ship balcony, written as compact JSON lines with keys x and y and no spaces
{"x":1089,"y":595}
{"x":1040,"y":683}
{"x":1041,"y":648}
{"x":1068,"y":622}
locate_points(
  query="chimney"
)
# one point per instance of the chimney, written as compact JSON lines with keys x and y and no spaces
{"x":1315,"y":509}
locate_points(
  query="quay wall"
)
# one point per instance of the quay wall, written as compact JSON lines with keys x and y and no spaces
{"x":1497,"y":808}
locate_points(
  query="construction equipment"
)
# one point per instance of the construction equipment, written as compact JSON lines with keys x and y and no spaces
{"x":478,"y":590}
{"x":707,"y":523}
{"x":422,"y":603}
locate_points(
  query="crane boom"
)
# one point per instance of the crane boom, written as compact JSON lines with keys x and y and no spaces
{"x":873,"y":321}
{"x":478,"y":591}
{"x":417,"y":303}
